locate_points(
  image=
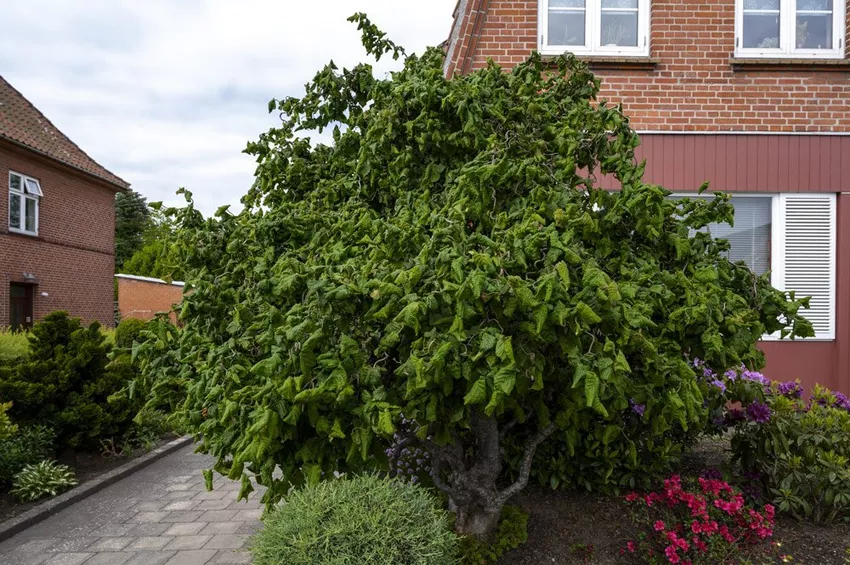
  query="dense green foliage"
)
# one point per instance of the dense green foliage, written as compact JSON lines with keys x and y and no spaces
{"x":28,"y":446}
{"x":157,"y":256}
{"x":132,"y":219}
{"x":512,"y":533}
{"x":802,"y":451}
{"x":14,"y":347}
{"x":66,"y":384}
{"x":7,"y":428}
{"x":127,"y":332}
{"x":359,"y":520}
{"x":450,"y":258}
{"x":47,"y":478}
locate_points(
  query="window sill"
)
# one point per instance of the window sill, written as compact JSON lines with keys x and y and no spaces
{"x":790,"y":64}
{"x":614,"y":62}
{"x":13,"y":231}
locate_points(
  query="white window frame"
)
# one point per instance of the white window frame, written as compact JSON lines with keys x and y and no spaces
{"x":777,"y":247}
{"x":28,"y":191}
{"x":593,"y":32}
{"x":788,"y":34}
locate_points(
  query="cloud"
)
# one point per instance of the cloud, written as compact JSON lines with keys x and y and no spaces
{"x":166,"y":93}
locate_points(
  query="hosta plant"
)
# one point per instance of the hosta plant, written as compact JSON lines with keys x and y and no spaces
{"x":47,"y":478}
{"x":449,"y":255}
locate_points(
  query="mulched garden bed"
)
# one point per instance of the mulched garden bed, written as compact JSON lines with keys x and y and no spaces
{"x":86,"y":466}
{"x":569,"y":527}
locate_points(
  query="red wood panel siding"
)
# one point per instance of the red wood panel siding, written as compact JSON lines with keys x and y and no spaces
{"x":745,"y":163}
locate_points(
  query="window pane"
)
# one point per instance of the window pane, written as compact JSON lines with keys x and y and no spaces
{"x":749,"y":240}
{"x":33,"y":187}
{"x":620,"y":28}
{"x":566,"y":28}
{"x":633,"y":4}
{"x":14,"y":182}
{"x":15,"y":212}
{"x":818,"y":5}
{"x":761,"y":31}
{"x":814,"y":31}
{"x":30,"y":214}
{"x":18,"y":291}
{"x":761,"y":5}
{"x":567,"y":4}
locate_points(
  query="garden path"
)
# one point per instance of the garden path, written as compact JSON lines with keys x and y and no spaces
{"x":160,"y":515}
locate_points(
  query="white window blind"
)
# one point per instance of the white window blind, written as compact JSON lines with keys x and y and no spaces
{"x":804,"y":247}
{"x":750,"y":237}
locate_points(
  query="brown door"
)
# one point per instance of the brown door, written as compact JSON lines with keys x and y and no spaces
{"x":20,"y":306}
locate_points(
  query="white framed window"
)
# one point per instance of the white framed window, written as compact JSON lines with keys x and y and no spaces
{"x":24,"y":196}
{"x":790,"y":28}
{"x":594,"y":27}
{"x":793,"y":237}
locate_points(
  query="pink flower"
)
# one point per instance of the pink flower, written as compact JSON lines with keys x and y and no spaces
{"x":671,"y":554}
{"x":659,"y":526}
{"x":631,"y":497}
{"x":631,"y":547}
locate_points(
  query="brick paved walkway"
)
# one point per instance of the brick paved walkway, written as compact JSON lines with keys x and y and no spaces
{"x":161,"y":515}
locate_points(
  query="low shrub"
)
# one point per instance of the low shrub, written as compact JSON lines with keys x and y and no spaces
{"x":365,"y":519}
{"x":66,"y":384}
{"x":47,"y":478}
{"x":27,"y":446}
{"x":512,"y":533}
{"x":702,"y":524}
{"x":128,"y":331}
{"x":7,"y":428}
{"x":14,"y":347}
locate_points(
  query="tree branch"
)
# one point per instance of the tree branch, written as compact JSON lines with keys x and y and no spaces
{"x":525,"y":468}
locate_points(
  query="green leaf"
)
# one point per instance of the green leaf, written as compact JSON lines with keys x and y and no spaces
{"x":477,"y":394}
{"x":208,"y":478}
{"x":591,"y":388}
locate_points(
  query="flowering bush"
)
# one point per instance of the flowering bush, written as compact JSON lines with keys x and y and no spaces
{"x":706,"y":523}
{"x":798,"y":449}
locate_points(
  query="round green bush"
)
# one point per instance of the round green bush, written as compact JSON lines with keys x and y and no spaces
{"x":361,"y":520}
{"x":127,"y":332}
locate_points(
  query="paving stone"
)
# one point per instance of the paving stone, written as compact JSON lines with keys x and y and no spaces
{"x":36,"y":545}
{"x":210,"y":495}
{"x":216,"y":528}
{"x":147,"y":518}
{"x":148,"y":529}
{"x":250,"y":528}
{"x":178,"y":487}
{"x":151,"y":558}
{"x":71,"y":545}
{"x":113,"y":558}
{"x":226,"y":541}
{"x":16,"y":558}
{"x":110,"y":544}
{"x":230,"y":557}
{"x":188,"y":542}
{"x":150,"y":506}
{"x":219,"y":515}
{"x":189,"y":529}
{"x":179,"y":495}
{"x":212,"y":504}
{"x":149,"y":542}
{"x":182,"y":504}
{"x":182,"y":516}
{"x":201,"y":557}
{"x":68,"y":558}
{"x":109,"y":530}
{"x":248,"y":515}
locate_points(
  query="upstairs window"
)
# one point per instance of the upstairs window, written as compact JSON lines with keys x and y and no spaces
{"x":594,"y":27}
{"x":790,"y":28}
{"x":24,"y":195}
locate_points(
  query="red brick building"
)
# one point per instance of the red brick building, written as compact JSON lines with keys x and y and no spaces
{"x":751,"y":95}
{"x":57,"y":221}
{"x":143,"y":297}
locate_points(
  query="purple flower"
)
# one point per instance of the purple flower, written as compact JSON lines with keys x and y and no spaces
{"x":731,"y":374}
{"x":734,"y":416}
{"x":708,"y":373}
{"x":719,"y":384}
{"x":791,"y":389}
{"x":755,"y":376}
{"x":638,"y":409}
{"x":841,"y":401}
{"x":758,"y":412}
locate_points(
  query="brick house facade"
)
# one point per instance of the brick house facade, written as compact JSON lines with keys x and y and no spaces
{"x":57,"y":248}
{"x":143,"y":297}
{"x":751,"y":95}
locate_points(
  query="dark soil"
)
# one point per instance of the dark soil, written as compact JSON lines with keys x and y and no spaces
{"x":86,"y":465}
{"x":568,"y":527}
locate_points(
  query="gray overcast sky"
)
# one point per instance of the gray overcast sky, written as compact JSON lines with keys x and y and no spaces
{"x":166,"y":93}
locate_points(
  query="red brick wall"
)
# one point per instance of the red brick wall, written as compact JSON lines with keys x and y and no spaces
{"x":143,"y":299}
{"x":693,"y":87}
{"x":73,"y":254}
